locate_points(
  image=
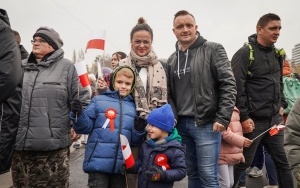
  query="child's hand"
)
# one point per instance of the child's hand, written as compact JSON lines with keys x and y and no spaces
{"x":247,"y":143}
{"x":155,"y":174}
{"x":139,"y":123}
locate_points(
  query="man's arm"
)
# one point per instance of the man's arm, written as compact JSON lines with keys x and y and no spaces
{"x":239,"y":64}
{"x":226,"y":85}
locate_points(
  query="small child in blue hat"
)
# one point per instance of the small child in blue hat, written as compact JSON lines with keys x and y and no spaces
{"x":161,"y":159}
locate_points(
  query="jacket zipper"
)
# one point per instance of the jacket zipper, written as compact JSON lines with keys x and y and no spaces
{"x":120,"y":129}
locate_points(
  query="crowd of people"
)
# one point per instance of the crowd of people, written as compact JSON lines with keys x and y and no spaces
{"x":198,"y":115}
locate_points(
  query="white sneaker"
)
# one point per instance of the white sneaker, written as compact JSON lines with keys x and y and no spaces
{"x":254,"y":172}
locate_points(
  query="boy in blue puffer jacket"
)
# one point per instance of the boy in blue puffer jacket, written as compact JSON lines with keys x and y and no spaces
{"x":161,"y":160}
{"x":107,"y":116}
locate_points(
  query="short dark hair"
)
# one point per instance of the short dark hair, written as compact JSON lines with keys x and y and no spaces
{"x":182,"y":13}
{"x":265,"y":19}
{"x":141,"y":26}
{"x":121,"y":55}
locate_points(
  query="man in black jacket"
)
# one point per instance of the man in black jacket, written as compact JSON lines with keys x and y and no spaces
{"x":201,"y":90}
{"x":260,"y":96}
{"x":10,"y":87}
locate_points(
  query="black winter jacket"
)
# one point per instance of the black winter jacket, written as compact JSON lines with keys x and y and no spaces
{"x":212,"y":81}
{"x":260,"y":95}
{"x":10,"y":91}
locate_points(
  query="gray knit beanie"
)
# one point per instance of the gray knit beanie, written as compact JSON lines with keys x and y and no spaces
{"x":51,"y":36}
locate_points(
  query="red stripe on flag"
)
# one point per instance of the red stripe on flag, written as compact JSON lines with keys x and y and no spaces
{"x":96,"y":44}
{"x":84,"y":80}
{"x":129,"y":162}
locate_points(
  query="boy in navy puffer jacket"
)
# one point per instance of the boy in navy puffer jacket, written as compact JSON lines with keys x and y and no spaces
{"x":107,"y":116}
{"x":161,"y":160}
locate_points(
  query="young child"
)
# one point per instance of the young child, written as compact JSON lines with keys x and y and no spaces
{"x":103,"y":155}
{"x":231,"y":151}
{"x":161,"y":159}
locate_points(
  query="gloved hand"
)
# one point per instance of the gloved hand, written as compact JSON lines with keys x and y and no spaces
{"x":155,"y":174}
{"x":139,"y":123}
{"x":124,"y":170}
{"x":76,"y":107}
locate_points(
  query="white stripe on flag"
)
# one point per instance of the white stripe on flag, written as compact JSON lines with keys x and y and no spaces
{"x":80,"y":68}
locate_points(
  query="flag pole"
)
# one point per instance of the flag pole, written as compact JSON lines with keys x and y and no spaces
{"x":263,"y":133}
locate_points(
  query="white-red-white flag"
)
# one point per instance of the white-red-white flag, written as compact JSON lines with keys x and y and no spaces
{"x":82,"y":73}
{"x":126,"y":150}
{"x":96,"y":40}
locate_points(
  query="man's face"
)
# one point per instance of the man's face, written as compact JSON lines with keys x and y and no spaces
{"x":269,"y":34}
{"x":185,"y":29}
{"x":40,"y":47}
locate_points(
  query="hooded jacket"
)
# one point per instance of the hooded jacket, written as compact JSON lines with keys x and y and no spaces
{"x":10,"y":87}
{"x":49,"y":87}
{"x":260,"y":95}
{"x":173,"y":149}
{"x":103,"y":150}
{"x":212,"y":82}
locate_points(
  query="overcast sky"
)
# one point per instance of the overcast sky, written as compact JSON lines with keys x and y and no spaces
{"x":228,"y":22}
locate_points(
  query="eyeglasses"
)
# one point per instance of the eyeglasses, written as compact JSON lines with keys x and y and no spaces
{"x":38,"y":41}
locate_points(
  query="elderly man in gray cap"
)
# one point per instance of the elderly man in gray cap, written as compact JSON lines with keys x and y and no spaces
{"x":50,"y":83}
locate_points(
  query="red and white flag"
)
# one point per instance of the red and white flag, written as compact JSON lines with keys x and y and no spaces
{"x":126,"y":151}
{"x":97,"y":40}
{"x":275,"y":129}
{"x":82,"y":73}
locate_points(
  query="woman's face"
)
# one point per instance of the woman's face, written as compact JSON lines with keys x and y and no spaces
{"x":114,"y":61}
{"x":141,"y":43}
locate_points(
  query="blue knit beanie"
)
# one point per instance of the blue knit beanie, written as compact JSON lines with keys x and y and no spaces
{"x":162,"y":118}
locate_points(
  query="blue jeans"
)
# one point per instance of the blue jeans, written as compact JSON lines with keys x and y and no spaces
{"x":202,"y":152}
{"x":274,"y":146}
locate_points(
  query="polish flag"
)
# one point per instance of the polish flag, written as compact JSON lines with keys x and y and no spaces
{"x":82,"y":73}
{"x":275,"y":129}
{"x":97,"y":40}
{"x":126,"y":151}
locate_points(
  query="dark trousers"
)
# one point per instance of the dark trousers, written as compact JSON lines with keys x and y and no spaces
{"x":104,"y":180}
{"x":274,"y":146}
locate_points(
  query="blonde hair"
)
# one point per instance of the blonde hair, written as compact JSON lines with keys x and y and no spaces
{"x":125,"y":71}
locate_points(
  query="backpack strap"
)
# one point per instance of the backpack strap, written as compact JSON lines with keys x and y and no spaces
{"x":251,"y":58}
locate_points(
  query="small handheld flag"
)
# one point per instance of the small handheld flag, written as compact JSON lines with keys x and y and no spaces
{"x":82,"y":73}
{"x":97,"y":40}
{"x":126,"y":151}
{"x":275,"y":129}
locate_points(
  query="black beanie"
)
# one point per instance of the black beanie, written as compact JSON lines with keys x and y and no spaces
{"x":51,"y":36}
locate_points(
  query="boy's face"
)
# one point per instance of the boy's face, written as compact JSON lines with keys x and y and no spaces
{"x":123,"y":84}
{"x":156,"y":133}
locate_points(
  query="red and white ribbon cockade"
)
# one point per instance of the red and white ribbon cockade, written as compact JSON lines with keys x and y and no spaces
{"x":97,"y":40}
{"x":82,"y":73}
{"x":162,"y":160}
{"x":110,"y":114}
{"x":126,"y":151}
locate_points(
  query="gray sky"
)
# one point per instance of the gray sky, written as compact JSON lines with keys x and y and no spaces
{"x":228,"y":22}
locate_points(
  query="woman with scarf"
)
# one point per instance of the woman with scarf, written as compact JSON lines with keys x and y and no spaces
{"x":151,"y":82}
